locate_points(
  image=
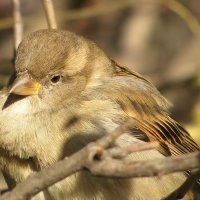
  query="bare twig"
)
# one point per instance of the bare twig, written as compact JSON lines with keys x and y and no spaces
{"x":18,"y":26}
{"x":128,"y":169}
{"x":185,"y":187}
{"x":97,"y":10}
{"x":50,"y":14}
{"x":187,"y":16}
{"x":92,"y":158}
{"x":110,"y":138}
{"x":119,"y":152}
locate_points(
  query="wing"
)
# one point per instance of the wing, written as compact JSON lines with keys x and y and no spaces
{"x":140,"y":100}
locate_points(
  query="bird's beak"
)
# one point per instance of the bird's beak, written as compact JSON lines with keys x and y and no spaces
{"x":25,"y":86}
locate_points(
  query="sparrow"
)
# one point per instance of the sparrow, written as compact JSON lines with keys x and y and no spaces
{"x":66,"y":92}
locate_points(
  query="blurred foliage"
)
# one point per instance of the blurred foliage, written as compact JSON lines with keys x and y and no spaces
{"x":160,"y":38}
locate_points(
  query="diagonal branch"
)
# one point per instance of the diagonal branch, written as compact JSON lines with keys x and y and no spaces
{"x":103,"y":160}
{"x":185,"y":187}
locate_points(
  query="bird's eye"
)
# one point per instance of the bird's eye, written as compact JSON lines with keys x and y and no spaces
{"x":56,"y":78}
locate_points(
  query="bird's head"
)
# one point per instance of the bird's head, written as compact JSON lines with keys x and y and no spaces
{"x":58,"y":64}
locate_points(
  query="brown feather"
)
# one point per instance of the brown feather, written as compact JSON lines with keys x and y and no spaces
{"x":150,"y":110}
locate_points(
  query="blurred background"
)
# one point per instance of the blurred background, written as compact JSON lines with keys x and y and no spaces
{"x":158,"y":38}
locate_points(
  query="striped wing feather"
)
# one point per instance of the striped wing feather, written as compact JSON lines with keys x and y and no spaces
{"x":140,"y":100}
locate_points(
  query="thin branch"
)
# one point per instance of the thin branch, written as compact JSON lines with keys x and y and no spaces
{"x":185,"y":187}
{"x":110,"y":138}
{"x":188,"y":17}
{"x":98,"y":158}
{"x":18,"y":25}
{"x":37,"y":182}
{"x":50,"y":14}
{"x":118,"y":152}
{"x":98,"y":10}
{"x":157,"y":167}
{"x":188,"y":184}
